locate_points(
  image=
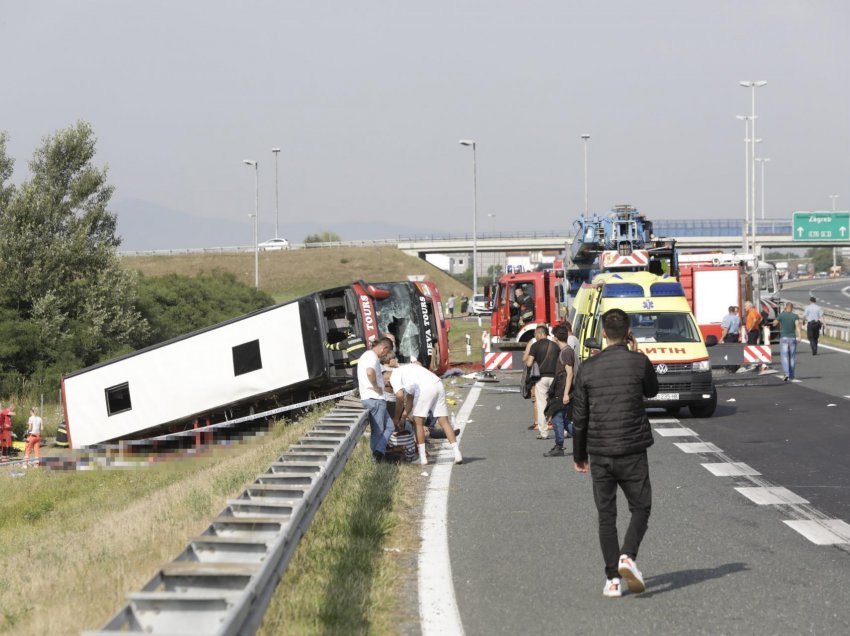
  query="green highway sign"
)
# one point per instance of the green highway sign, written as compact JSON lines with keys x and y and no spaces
{"x":821,"y":226}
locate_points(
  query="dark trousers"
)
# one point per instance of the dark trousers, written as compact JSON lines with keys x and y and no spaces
{"x":631,"y":473}
{"x":753,"y":337}
{"x":813,"y":333}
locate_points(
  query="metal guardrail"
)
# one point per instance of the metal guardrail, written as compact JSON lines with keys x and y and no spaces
{"x":223,"y":581}
{"x":240,"y":249}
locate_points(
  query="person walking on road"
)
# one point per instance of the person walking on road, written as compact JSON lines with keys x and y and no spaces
{"x":813,"y":315}
{"x":730,"y":326}
{"x":544,"y":353}
{"x":372,"y":395}
{"x":752,"y":320}
{"x":611,"y":433}
{"x":558,"y":405}
{"x":789,"y":334}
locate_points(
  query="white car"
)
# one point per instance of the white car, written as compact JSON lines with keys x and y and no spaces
{"x":274,"y":244}
{"x":480,"y":305}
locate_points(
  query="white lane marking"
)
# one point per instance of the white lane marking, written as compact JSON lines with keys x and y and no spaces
{"x":769,"y":496}
{"x":438,"y":611}
{"x":730,"y":469}
{"x":823,"y":532}
{"x":831,"y":348}
{"x":675,"y":432}
{"x":697,"y":447}
{"x":654,"y":421}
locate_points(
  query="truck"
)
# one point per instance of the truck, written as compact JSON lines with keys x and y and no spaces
{"x":620,"y":241}
{"x":714,"y":281}
{"x":275,"y":355}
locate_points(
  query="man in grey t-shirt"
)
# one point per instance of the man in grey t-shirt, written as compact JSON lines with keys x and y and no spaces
{"x":813,"y":317}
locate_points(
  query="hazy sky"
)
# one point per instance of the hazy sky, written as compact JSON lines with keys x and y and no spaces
{"x":368,"y":99}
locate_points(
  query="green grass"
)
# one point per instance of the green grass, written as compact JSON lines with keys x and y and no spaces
{"x":348,"y":572}
{"x":460,"y":328}
{"x":75,"y":542}
{"x":289,"y":274}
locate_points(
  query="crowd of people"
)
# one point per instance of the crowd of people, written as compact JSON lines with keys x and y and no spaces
{"x":32,"y":437}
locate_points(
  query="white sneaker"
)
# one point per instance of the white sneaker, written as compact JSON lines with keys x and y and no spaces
{"x":458,"y":458}
{"x":612,"y":588}
{"x":629,"y":571}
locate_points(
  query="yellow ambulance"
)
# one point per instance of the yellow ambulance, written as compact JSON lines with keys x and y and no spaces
{"x":664,"y":328}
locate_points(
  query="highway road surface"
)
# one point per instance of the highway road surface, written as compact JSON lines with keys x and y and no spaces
{"x":748,"y":533}
{"x":832,"y":293}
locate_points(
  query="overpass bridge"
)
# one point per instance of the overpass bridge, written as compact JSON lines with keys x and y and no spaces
{"x":690,"y":234}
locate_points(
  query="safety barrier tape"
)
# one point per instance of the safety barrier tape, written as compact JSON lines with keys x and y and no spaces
{"x":224,"y":579}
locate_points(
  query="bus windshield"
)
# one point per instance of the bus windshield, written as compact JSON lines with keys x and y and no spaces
{"x":408,"y":316}
{"x":664,"y":327}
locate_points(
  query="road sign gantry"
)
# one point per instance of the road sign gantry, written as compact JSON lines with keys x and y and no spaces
{"x":821,"y":226}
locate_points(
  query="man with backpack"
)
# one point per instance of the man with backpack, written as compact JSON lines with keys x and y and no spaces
{"x":544,"y":354}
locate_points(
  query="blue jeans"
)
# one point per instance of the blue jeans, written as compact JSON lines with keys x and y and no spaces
{"x":380,"y":423}
{"x":788,"y":354}
{"x":560,"y":422}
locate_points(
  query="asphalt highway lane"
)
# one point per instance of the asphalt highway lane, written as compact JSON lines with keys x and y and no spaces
{"x":522,"y":528}
{"x":829,"y":292}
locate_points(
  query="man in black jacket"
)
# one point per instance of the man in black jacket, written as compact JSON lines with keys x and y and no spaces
{"x":612,"y":430}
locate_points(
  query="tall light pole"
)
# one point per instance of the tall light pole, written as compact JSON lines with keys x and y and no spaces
{"x":834,"y":253}
{"x":471,"y":143}
{"x":746,"y":232}
{"x":256,"y":164}
{"x":762,"y":161}
{"x":586,"y":137}
{"x":493,"y":218}
{"x":276,"y":152}
{"x":753,"y":85}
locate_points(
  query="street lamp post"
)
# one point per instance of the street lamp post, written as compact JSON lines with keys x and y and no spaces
{"x":276,"y":152}
{"x":471,"y":143}
{"x":753,"y":85}
{"x":493,"y":218}
{"x":762,"y":161}
{"x":256,"y":164}
{"x":746,"y":232}
{"x":834,"y":254}
{"x":586,"y":137}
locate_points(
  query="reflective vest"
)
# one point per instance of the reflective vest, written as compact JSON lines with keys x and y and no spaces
{"x":62,"y":435}
{"x":353,"y":347}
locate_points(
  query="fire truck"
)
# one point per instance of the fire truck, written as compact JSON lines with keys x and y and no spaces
{"x":620,"y":241}
{"x":714,"y":281}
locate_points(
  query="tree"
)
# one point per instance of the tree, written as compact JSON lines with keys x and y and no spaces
{"x":60,"y":269}
{"x":7,"y":165}
{"x":174,"y":305}
{"x":822,"y":258}
{"x":323,"y":237}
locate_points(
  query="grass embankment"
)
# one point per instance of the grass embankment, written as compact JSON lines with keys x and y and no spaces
{"x":76,"y":542}
{"x":291,"y":273}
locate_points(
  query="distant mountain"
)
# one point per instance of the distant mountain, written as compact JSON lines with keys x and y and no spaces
{"x":147,"y":226}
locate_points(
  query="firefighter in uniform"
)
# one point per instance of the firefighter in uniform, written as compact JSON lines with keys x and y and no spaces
{"x":352,"y":345}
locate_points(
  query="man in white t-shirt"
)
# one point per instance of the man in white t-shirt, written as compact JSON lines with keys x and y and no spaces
{"x":34,"y":424}
{"x":374,"y":398}
{"x":419,"y":392}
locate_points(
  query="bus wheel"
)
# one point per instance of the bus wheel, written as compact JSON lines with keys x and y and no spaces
{"x":705,"y":409}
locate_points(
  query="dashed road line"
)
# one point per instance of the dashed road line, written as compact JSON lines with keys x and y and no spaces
{"x":675,"y":432}
{"x":808,"y":521}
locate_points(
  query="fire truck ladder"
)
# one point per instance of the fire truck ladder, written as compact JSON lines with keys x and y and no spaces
{"x":223,"y":581}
